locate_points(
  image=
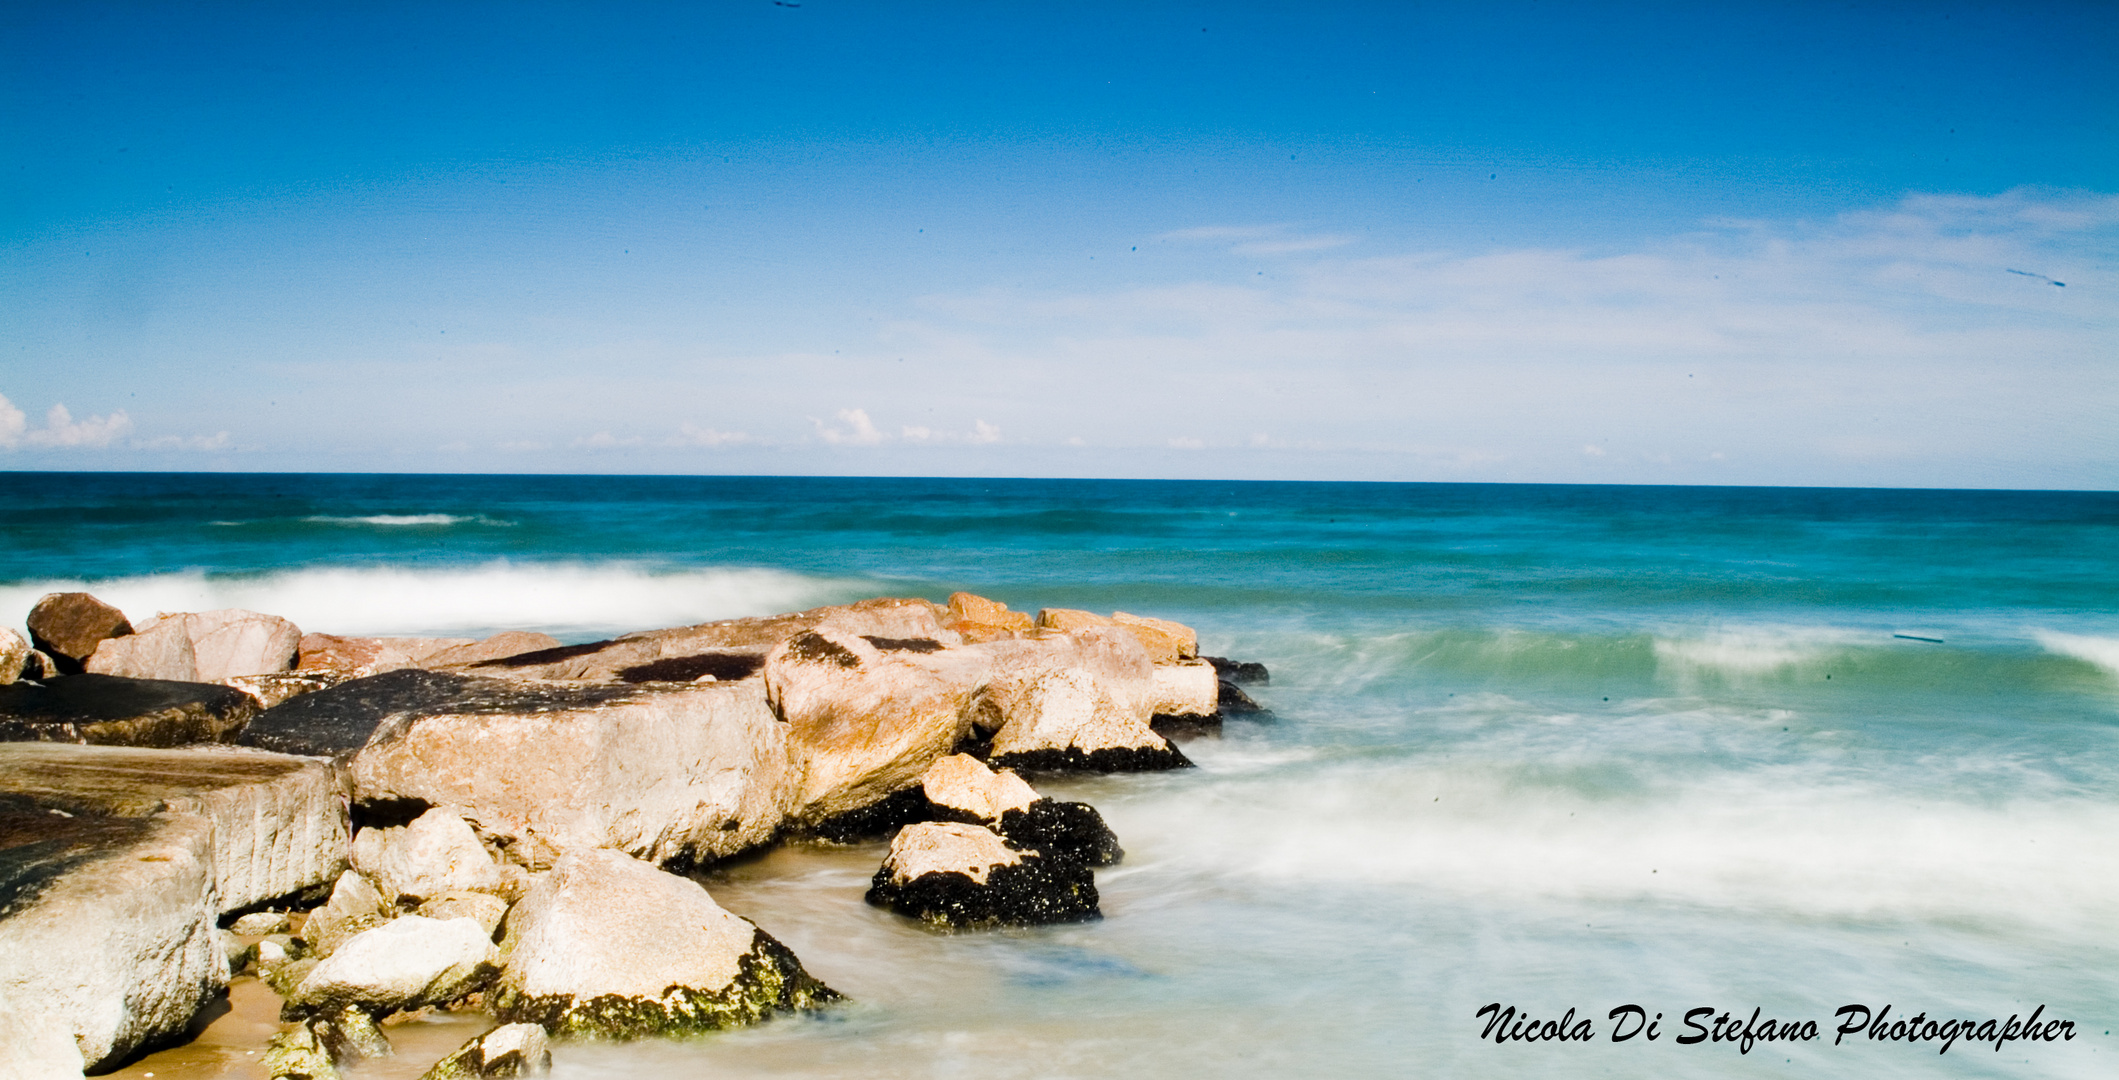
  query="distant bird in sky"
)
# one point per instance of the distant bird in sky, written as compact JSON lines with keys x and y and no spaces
{"x":2041,"y":277}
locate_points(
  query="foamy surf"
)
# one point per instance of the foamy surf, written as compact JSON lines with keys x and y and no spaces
{"x":565,"y":599}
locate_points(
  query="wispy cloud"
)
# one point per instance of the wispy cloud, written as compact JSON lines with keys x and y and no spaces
{"x":195,"y":443}
{"x":692,"y":435}
{"x":604,"y":440}
{"x":60,"y":428}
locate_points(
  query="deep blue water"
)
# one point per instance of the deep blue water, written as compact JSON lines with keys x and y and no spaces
{"x":1561,"y":746}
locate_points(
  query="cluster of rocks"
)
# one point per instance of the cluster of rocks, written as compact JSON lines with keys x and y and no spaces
{"x":505,"y":824}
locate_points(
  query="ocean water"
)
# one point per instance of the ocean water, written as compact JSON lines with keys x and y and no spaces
{"x":1556,"y":748}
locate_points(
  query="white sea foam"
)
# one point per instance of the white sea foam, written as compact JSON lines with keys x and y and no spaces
{"x":569,"y":599}
{"x":389,"y":520}
{"x":2101,"y":651}
{"x":1768,"y":839}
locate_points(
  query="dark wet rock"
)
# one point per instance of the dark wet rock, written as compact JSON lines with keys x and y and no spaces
{"x":279,"y":822}
{"x":406,"y":963}
{"x":666,"y":771}
{"x":607,"y":946}
{"x":962,"y":876}
{"x":722,"y":666}
{"x":1234,"y":702}
{"x":504,"y":1053}
{"x":115,"y":711}
{"x":1179,"y":729}
{"x":341,"y":720}
{"x":1109,"y":759}
{"x":876,"y":820}
{"x":1240,"y":672}
{"x":1062,"y":831}
{"x":68,"y":626}
{"x":107,"y":926}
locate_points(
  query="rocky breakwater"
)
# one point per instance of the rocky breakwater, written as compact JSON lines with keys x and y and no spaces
{"x":522,"y":807}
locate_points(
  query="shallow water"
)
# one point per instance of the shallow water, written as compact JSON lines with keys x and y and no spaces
{"x":1546,"y":746}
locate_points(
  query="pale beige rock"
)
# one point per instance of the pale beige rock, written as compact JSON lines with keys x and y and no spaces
{"x":962,"y":782}
{"x":980,"y":619}
{"x":231,"y":642}
{"x":504,"y":644}
{"x":1186,"y":688}
{"x":1067,"y":708}
{"x":162,"y":651}
{"x":36,"y":1046}
{"x":609,"y":661}
{"x":279,"y":822}
{"x":405,"y":963}
{"x":863,"y":722}
{"x":947,"y":847}
{"x":14,"y":655}
{"x":602,"y":922}
{"x":1109,"y":655}
{"x":355,"y":905}
{"x":437,"y":853}
{"x":674,"y":770}
{"x":364,"y":656}
{"x":1069,"y":619}
{"x":1165,"y":641}
{"x":485,"y":909}
{"x":504,"y":1053}
{"x":119,"y":947}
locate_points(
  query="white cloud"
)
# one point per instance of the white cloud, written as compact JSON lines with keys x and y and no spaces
{"x":604,"y":440}
{"x":60,"y":428}
{"x":859,"y":430}
{"x":911,"y":433}
{"x":983,"y":432}
{"x":690,"y":435}
{"x":201,"y":443}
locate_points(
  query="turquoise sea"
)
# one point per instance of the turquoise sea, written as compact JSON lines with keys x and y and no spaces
{"x":1552,"y":747}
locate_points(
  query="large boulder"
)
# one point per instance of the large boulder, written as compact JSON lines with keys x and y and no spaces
{"x":68,"y":626}
{"x":161,"y":651}
{"x":867,"y":715}
{"x":113,"y":710}
{"x":406,"y":963}
{"x":608,"y":946}
{"x":1074,"y":700}
{"x":504,"y":1053}
{"x":1166,"y":641}
{"x":279,"y":822}
{"x":1186,"y":688}
{"x":437,"y":853}
{"x":728,"y":649}
{"x":666,"y":772}
{"x":232,"y":642}
{"x":107,"y":928}
{"x":979,"y":619}
{"x":951,"y":874}
{"x":14,"y":655}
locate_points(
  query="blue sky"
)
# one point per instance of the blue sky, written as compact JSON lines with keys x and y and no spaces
{"x":1668,"y":243}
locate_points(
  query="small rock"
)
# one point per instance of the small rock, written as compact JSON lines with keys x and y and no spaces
{"x":350,"y":1034}
{"x":259,"y":923}
{"x":504,"y":1053}
{"x":68,"y":626}
{"x":484,"y":908}
{"x":1063,"y":832}
{"x":963,"y":785}
{"x":608,"y":946}
{"x":1069,"y":619}
{"x":961,"y":876}
{"x":355,"y":906}
{"x":435,"y":854}
{"x":1186,"y":688}
{"x":403,"y":964}
{"x":298,"y":1055}
{"x":272,"y":688}
{"x":14,"y":655}
{"x":1240,"y":672}
{"x":239,"y":952}
{"x":961,"y":788}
